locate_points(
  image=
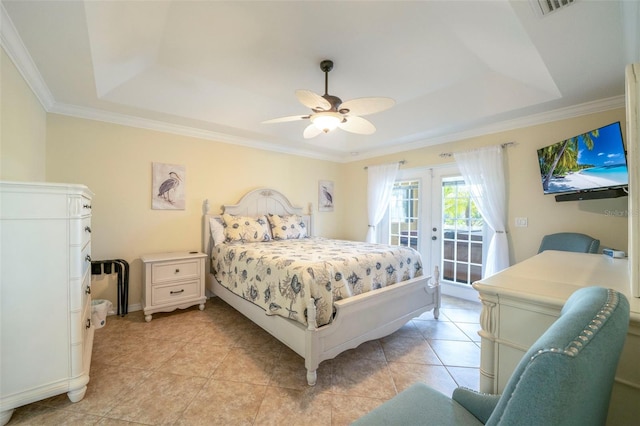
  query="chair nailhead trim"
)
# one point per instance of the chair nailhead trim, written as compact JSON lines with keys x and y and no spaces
{"x":576,"y":345}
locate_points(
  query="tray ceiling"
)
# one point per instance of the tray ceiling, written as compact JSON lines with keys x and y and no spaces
{"x":217,"y":69}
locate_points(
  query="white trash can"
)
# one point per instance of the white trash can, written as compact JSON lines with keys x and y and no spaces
{"x":99,"y":310}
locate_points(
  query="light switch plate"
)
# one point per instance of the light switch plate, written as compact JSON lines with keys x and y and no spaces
{"x":521,"y":222}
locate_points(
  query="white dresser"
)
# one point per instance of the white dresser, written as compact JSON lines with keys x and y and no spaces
{"x":172,"y":281}
{"x":522,"y":301}
{"x":46,"y":336}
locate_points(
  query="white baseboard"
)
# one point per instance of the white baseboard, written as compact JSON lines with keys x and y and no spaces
{"x":136,"y":307}
{"x":461,"y":291}
{"x":131,"y":308}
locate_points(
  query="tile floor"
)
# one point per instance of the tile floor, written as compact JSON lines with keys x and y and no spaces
{"x":192,"y":367}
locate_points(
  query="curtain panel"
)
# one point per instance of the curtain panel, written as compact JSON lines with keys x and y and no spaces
{"x":379,"y":188}
{"x":483,"y":171}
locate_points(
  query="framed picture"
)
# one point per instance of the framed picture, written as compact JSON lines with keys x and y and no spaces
{"x":168,"y":184}
{"x":325,"y":196}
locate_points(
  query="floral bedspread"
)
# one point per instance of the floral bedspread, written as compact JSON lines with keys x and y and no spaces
{"x":281,"y":276}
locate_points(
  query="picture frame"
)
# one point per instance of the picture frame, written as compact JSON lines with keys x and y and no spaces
{"x":326,"y":197}
{"x":168,"y":186}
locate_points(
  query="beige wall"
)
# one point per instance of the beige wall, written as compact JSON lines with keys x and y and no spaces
{"x":115,"y":163}
{"x":603,"y":219}
{"x":23,"y":124}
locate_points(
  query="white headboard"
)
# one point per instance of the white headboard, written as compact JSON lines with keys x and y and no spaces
{"x":255,"y":203}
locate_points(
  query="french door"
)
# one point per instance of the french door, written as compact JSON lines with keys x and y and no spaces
{"x":431,"y":211}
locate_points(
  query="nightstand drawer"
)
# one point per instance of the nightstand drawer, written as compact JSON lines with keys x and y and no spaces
{"x":174,"y":293}
{"x":170,"y":272}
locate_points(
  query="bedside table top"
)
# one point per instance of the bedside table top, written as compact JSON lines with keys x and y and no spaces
{"x":178,"y":255}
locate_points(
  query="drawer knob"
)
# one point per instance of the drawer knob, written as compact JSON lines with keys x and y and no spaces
{"x":87,"y":258}
{"x":177,"y":270}
{"x":88,"y":324}
{"x":86,"y":206}
{"x":88,"y":290}
{"x":87,"y":229}
{"x":177,"y":291}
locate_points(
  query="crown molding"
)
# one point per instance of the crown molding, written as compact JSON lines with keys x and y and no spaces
{"x":559,"y":114}
{"x":19,"y":55}
{"x":165,"y":127}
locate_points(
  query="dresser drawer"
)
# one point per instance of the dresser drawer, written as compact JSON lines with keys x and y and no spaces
{"x":80,"y":261}
{"x":86,"y":288}
{"x":80,"y":338}
{"x":81,"y":321}
{"x":79,"y":291}
{"x":176,"y":270}
{"x":86,"y":206}
{"x":174,"y":293}
{"x":80,"y":231}
{"x":85,"y":231}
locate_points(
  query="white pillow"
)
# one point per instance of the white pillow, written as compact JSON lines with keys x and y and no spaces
{"x":217,"y":231}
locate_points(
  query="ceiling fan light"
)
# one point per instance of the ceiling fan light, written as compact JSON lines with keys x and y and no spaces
{"x":326,"y":121}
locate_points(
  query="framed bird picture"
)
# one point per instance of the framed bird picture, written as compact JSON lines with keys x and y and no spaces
{"x":325,"y":196}
{"x":168,"y":183}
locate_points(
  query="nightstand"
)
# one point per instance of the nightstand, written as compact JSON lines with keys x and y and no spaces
{"x":172,"y":281}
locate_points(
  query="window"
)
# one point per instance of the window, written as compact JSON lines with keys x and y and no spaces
{"x":462,"y":233}
{"x":403,"y":214}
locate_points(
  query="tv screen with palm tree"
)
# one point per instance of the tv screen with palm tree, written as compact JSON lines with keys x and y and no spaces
{"x":585,"y":162}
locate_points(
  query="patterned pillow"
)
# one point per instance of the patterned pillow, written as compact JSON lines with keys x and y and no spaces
{"x":245,"y":229}
{"x":287,"y":227}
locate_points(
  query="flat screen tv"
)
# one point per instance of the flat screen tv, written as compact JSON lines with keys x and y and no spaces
{"x":590,"y":161}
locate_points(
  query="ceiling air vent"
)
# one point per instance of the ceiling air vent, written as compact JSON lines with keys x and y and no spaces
{"x":545,"y":7}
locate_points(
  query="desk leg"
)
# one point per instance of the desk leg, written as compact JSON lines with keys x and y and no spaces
{"x":488,"y":361}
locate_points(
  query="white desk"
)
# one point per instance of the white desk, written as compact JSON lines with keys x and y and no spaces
{"x":522,"y":301}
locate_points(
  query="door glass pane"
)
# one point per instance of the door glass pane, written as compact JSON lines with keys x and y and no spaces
{"x":476,"y":252}
{"x":476,"y":272}
{"x":462,"y":230}
{"x":404,"y":215}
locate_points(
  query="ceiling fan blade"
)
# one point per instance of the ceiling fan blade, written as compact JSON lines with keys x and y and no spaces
{"x":313,"y":100}
{"x":285,"y":119}
{"x":365,"y":106}
{"x":311,"y":131}
{"x":358,"y":125}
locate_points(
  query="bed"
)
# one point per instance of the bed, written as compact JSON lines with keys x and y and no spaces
{"x":317,"y":332}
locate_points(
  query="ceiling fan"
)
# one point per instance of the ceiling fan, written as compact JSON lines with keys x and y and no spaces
{"x":330,"y":112}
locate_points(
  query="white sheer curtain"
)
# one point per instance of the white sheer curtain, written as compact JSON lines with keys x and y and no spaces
{"x":483,"y":171}
{"x":379,"y":188}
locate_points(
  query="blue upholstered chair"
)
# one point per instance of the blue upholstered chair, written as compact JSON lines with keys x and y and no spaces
{"x":569,"y":241}
{"x":565,"y":378}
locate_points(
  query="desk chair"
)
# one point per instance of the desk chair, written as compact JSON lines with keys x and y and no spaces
{"x":569,"y":241}
{"x":565,"y":378}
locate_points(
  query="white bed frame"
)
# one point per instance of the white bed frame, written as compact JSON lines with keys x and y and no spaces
{"x":358,"y":319}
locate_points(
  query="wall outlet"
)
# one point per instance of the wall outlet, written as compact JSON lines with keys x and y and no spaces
{"x":521,"y":222}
